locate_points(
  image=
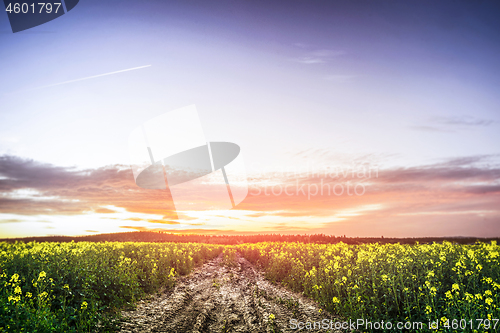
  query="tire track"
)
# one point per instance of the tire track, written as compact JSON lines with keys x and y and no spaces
{"x":218,"y":298}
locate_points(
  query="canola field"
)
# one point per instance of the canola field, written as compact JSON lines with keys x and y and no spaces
{"x":74,"y":287}
{"x":457,"y":286}
{"x":80,"y":287}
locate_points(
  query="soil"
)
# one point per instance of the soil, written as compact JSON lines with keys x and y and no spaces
{"x":218,"y":298}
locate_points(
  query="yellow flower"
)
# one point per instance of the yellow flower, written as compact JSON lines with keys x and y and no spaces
{"x":15,"y":299}
{"x":428,"y":309}
{"x":488,"y":301}
{"x":84,"y":305}
{"x":335,"y":300}
{"x":66,"y":286}
{"x":271,"y":316}
{"x":28,"y":294}
{"x":18,"y":290}
{"x":455,"y":287}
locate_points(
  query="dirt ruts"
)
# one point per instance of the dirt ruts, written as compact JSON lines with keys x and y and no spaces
{"x":218,"y":298}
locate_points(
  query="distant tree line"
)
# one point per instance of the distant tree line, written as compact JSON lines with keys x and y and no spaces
{"x":159,"y":237}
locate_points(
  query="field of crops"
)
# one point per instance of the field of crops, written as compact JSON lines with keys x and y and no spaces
{"x":76,"y":287}
{"x":452,"y":284}
{"x":70,"y":287}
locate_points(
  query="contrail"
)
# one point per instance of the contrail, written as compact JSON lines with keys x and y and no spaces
{"x":91,"y":77}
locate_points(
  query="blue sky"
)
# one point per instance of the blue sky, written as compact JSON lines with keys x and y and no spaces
{"x":398,"y":84}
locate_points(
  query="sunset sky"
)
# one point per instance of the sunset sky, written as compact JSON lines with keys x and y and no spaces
{"x":398,"y":98}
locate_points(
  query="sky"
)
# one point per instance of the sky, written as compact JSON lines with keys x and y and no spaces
{"x":394,"y":102}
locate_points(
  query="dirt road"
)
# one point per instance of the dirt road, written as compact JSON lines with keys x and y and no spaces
{"x":217,"y":298}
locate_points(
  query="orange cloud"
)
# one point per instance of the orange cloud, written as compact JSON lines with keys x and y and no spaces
{"x":457,"y":197}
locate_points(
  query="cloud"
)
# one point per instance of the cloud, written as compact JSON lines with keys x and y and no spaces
{"x":463,"y":121}
{"x":310,"y":60}
{"x":190,"y":231}
{"x":11,"y":220}
{"x":453,"y":124}
{"x":327,"y":53}
{"x":426,"y":128}
{"x":340,"y":78}
{"x":302,"y":45}
{"x":73,"y":191}
{"x":398,"y":199}
{"x":136,"y":219}
{"x":104,"y":211}
{"x":316,"y":56}
{"x":449,"y":193}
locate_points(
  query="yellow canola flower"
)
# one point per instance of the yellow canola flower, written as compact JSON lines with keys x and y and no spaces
{"x":14,"y":278}
{"x":14,"y":298}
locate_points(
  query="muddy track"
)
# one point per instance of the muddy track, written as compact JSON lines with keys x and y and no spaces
{"x":217,"y":298}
